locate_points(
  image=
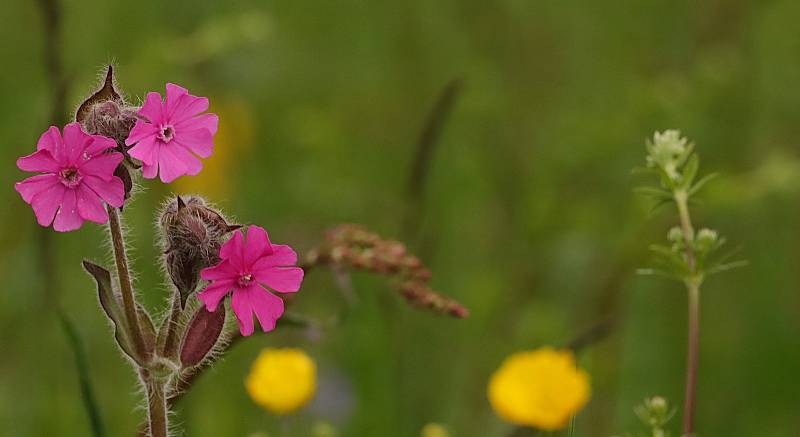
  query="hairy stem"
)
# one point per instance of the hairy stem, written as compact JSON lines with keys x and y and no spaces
{"x":693,"y":282}
{"x":170,"y":343}
{"x":125,"y":285}
{"x":156,"y":409}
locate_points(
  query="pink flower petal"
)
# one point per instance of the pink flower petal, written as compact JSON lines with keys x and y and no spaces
{"x":46,"y":203}
{"x":152,"y":109}
{"x":67,"y":217}
{"x":199,"y":141}
{"x":185,"y":105}
{"x":282,"y":256}
{"x":170,"y":167}
{"x":281,"y":279}
{"x":192,"y":163}
{"x":257,"y":245}
{"x":102,"y":166}
{"x":232,"y":249}
{"x":146,"y":150}
{"x":50,"y":140}
{"x":221,"y":271}
{"x":112,"y":190}
{"x":267,"y":306}
{"x":39,"y":161}
{"x":34,"y":185}
{"x":89,"y":205}
{"x":174,"y":94}
{"x":98,"y":145}
{"x":141,"y":130}
{"x":75,"y":142}
{"x":244,"y":310}
{"x":203,"y":121}
{"x":149,"y":171}
{"x":214,"y":293}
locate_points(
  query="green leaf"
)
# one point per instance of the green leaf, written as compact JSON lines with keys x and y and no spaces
{"x":727,"y":266}
{"x":111,"y":306}
{"x":657,"y":193}
{"x":690,"y":171}
{"x":148,"y":328}
{"x":704,"y":180}
{"x":685,"y":155}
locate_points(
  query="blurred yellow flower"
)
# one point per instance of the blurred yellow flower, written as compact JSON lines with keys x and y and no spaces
{"x":282,"y":380}
{"x":542,"y":388}
{"x":434,"y":430}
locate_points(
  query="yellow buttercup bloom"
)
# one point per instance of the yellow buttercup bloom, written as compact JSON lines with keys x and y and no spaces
{"x":282,"y":380}
{"x":542,"y":388}
{"x":434,"y":430}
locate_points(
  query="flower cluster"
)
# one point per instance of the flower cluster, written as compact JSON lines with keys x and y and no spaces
{"x":353,"y":246}
{"x":247,"y":269}
{"x":86,"y":171}
{"x":76,"y":177}
{"x":690,"y":254}
{"x":82,"y":167}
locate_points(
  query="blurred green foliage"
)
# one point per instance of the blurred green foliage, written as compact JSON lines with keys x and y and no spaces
{"x":528,"y":217}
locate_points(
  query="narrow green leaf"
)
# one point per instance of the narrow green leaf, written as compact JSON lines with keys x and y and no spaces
{"x":148,"y":328}
{"x":690,"y":171}
{"x":699,"y":185}
{"x":85,"y":383}
{"x":111,"y":306}
{"x":728,"y":266}
{"x":653,"y":192}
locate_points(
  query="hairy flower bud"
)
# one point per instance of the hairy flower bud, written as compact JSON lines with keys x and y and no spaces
{"x":105,"y":113}
{"x":201,"y":335}
{"x":192,"y":234}
{"x":111,"y":119}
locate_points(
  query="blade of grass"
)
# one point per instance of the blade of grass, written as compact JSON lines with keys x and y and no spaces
{"x":87,"y":394}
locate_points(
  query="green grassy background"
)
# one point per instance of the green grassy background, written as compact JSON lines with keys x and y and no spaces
{"x":528,"y":215}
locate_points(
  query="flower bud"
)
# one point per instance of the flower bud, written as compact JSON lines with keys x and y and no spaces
{"x":110,"y":119}
{"x":105,"y":113}
{"x":654,"y":412}
{"x":675,"y":235}
{"x":201,"y":335}
{"x":192,"y":234}
{"x":666,"y":151}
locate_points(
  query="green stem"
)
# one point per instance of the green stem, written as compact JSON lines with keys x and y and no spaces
{"x":170,"y":343}
{"x":125,"y":284}
{"x":693,"y":350}
{"x":682,"y":200}
{"x":693,"y":282}
{"x":156,"y":409}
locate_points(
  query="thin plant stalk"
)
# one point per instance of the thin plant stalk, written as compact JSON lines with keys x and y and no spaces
{"x":124,"y":276}
{"x":693,"y":349}
{"x":171,"y":342}
{"x":692,"y":282}
{"x":156,"y":408}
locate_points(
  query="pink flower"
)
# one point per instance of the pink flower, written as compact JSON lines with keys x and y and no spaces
{"x":77,"y":175}
{"x":172,"y":133}
{"x":248,"y":269}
